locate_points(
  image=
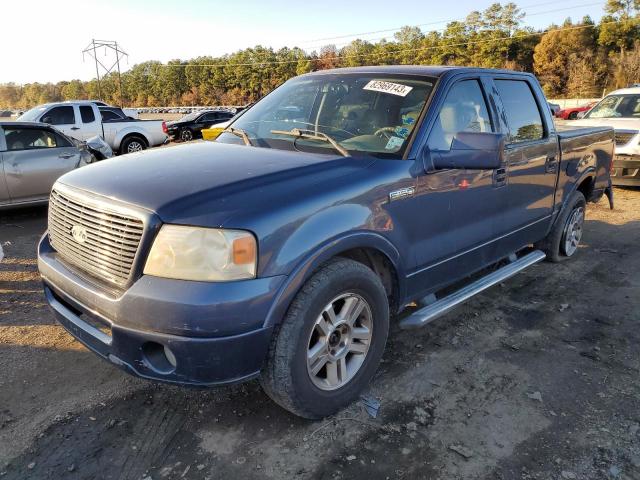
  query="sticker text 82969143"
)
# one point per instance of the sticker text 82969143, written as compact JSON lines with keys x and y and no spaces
{"x":388,"y":87}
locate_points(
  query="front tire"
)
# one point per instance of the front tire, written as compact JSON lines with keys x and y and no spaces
{"x":330,"y":343}
{"x":564,"y":238}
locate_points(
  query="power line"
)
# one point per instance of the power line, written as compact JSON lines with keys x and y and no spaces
{"x":406,"y":50}
{"x":437,"y":22}
{"x":444,"y":28}
{"x":267,"y":62}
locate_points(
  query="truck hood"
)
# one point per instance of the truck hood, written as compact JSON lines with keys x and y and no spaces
{"x":615,"y":123}
{"x":207,"y":181}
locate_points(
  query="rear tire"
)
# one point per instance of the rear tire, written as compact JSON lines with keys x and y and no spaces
{"x":564,"y":238}
{"x":330,"y":343}
{"x":132,"y":144}
{"x":573,"y":116}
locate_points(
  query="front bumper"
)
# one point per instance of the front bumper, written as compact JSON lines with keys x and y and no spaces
{"x":214,"y":331}
{"x":626,"y":170}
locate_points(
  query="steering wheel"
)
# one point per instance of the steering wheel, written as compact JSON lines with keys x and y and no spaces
{"x":385,"y":132}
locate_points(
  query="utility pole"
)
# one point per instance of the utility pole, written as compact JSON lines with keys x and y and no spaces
{"x":108,"y":66}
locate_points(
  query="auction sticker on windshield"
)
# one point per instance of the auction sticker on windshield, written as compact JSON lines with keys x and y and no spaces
{"x":388,"y":87}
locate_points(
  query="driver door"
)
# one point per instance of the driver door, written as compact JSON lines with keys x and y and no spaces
{"x":461,"y":209}
{"x":64,"y":118}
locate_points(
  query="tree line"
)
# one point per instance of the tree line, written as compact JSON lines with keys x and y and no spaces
{"x":574,"y":60}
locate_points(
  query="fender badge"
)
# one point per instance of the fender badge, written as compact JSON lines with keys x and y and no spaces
{"x":402,"y":193}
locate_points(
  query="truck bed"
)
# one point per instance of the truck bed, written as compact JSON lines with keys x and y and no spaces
{"x":580,"y":148}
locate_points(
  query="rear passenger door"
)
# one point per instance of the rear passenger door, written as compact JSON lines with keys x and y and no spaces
{"x":532,"y":160}
{"x":91,"y":125}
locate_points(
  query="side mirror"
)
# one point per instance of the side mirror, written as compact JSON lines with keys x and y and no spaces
{"x":46,"y":119}
{"x":471,"y":151}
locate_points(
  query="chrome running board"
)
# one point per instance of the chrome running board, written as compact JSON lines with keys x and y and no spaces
{"x":432,"y":311}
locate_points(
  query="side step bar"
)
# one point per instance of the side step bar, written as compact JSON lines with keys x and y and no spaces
{"x":432,"y":311}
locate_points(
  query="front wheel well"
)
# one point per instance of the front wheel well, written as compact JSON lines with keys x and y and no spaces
{"x":382,"y":267}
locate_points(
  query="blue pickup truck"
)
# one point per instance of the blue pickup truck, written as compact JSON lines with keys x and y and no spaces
{"x":283,"y":250}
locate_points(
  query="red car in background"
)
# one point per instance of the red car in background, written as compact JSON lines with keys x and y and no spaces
{"x":572,"y":112}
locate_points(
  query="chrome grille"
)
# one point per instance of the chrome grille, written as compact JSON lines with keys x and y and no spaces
{"x":622,"y":138}
{"x":110,"y":239}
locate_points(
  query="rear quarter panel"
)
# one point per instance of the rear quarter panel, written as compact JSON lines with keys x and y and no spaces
{"x":584,"y":153}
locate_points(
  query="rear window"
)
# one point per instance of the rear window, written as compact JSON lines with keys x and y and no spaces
{"x":523,"y":115}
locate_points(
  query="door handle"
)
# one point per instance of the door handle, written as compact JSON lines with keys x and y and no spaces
{"x":75,"y":128}
{"x":551,"y":165}
{"x":66,"y":155}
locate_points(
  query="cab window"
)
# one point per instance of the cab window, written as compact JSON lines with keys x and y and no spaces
{"x":521,"y":108}
{"x":464,"y":110}
{"x":60,"y":116}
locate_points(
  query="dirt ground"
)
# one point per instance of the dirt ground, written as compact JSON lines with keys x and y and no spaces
{"x":537,"y":378}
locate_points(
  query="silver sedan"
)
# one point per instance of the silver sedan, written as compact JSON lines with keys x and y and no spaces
{"x":33,"y":156}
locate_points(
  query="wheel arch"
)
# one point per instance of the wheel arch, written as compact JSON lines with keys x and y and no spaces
{"x":368,"y":248}
{"x":123,"y":136}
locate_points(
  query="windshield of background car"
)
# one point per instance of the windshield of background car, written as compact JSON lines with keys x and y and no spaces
{"x":367,"y":114}
{"x":190,"y":117}
{"x":616,"y":106}
{"x":31,"y":115}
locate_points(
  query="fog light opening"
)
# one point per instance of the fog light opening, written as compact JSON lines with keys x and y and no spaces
{"x":159,"y":358}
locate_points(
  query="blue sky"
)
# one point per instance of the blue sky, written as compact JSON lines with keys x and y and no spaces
{"x":164,"y":30}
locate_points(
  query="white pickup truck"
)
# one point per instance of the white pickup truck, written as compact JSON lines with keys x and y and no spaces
{"x":82,"y":120}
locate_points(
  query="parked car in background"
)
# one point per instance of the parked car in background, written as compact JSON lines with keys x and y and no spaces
{"x":34,"y":155}
{"x":620,"y":110}
{"x":190,"y":126}
{"x":214,"y":130}
{"x":284,"y":249}
{"x":554,"y":107}
{"x":83,"y":120}
{"x":573,"y":113}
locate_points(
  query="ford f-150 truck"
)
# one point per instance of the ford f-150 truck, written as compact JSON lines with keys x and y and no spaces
{"x":284,"y":249}
{"x":83,"y":120}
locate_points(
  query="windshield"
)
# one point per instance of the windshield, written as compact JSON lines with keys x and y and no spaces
{"x":190,"y":117}
{"x":363,"y":113}
{"x":616,"y":106}
{"x":32,"y":115}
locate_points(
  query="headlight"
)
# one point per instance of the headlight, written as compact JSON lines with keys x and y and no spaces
{"x":202,"y":254}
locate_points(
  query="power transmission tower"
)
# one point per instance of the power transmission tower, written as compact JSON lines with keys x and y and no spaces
{"x":117,"y":54}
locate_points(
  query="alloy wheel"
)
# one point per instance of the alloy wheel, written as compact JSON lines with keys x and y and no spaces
{"x":339,"y":341}
{"x":573,"y":231}
{"x":134,"y":146}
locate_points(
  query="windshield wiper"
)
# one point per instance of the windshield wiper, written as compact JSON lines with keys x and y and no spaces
{"x":311,"y":135}
{"x":238,"y":132}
